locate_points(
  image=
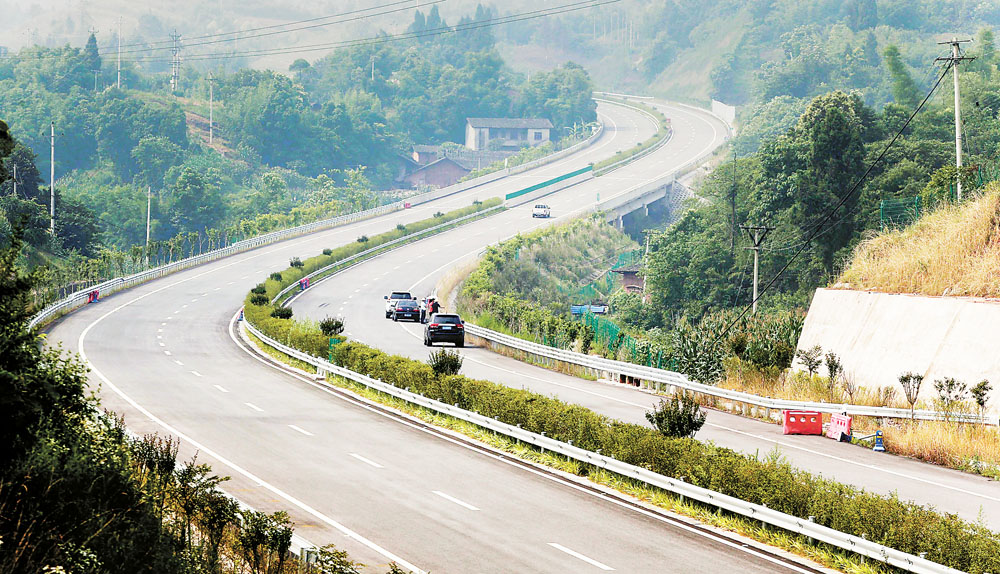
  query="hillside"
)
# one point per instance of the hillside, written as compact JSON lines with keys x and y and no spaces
{"x":953,"y":251}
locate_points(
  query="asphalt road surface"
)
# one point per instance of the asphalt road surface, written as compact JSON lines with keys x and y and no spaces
{"x":357,"y":295}
{"x":380,"y":486}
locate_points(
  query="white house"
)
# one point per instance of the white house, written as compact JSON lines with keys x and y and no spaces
{"x":513,"y":133}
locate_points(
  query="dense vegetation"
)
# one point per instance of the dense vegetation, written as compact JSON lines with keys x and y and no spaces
{"x":287,"y":149}
{"x":887,"y":520}
{"x":79,"y":494}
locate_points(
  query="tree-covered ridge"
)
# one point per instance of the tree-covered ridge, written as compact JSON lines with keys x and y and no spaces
{"x":321,"y":137}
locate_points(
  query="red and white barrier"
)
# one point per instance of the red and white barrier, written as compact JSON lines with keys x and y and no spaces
{"x":803,"y":422}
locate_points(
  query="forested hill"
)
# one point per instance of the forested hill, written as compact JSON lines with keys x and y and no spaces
{"x":313,"y":140}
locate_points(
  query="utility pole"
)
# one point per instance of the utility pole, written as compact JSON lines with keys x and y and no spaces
{"x":149,"y":203}
{"x":14,"y":164}
{"x":956,"y":58}
{"x":175,"y":61}
{"x":211,"y":108}
{"x":119,"y":52}
{"x":732,"y":207}
{"x":52,"y":179}
{"x":757,"y":234}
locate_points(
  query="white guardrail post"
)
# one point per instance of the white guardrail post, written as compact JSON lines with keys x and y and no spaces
{"x":781,"y":520}
{"x":680,"y":380}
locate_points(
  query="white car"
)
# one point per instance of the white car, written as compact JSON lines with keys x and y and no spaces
{"x":395,"y":297}
{"x":541,"y":210}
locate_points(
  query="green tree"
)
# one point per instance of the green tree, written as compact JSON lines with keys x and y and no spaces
{"x":91,"y":55}
{"x":196,"y":205}
{"x":904,"y":89}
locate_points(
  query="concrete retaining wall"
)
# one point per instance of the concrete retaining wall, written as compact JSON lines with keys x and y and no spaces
{"x":879,"y":336}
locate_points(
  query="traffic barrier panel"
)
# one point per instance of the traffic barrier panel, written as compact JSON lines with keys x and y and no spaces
{"x":803,"y":422}
{"x":304,"y":283}
{"x":407,"y":205}
{"x":94,"y":296}
{"x":840,"y":428}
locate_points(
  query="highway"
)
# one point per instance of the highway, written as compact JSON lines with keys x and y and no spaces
{"x":357,"y":295}
{"x":373,"y":482}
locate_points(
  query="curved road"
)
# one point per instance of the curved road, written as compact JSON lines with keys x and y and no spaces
{"x":357,"y":294}
{"x":371,"y":481}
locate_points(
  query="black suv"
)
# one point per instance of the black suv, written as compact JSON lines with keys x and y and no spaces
{"x":445,"y":328}
{"x":406,"y":309}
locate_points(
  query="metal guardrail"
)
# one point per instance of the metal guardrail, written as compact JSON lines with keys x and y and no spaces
{"x":117,"y":284}
{"x":679,"y":380}
{"x":660,"y":143}
{"x":79,"y":298}
{"x":388,"y":245}
{"x":711,"y":498}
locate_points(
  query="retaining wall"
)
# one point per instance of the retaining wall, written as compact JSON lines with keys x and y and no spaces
{"x":879,"y":336}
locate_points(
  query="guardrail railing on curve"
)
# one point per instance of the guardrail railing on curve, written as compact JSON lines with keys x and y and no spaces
{"x":681,"y":381}
{"x":711,"y":498}
{"x":388,"y":245}
{"x":117,"y":284}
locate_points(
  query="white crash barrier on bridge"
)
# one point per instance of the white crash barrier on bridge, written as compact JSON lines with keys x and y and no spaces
{"x":670,"y":380}
{"x":84,"y":296}
{"x":500,"y":174}
{"x":774,"y":518}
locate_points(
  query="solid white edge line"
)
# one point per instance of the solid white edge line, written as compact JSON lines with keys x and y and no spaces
{"x":579,"y":556}
{"x":455,"y":500}
{"x":225,"y":461}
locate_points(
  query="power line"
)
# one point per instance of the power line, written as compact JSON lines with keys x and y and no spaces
{"x":241,"y":36}
{"x":240,"y":33}
{"x":386,"y":38}
{"x":857,"y":184}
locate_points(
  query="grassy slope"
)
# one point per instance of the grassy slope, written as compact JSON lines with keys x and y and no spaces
{"x":954,"y":250}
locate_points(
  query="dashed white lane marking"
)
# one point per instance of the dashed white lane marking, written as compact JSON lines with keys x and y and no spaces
{"x":254,"y":407}
{"x":231,"y":282}
{"x":178,"y":362}
{"x":169,"y":318}
{"x":163,"y":325}
{"x":364,"y":285}
{"x":217,"y":288}
{"x":358,"y":290}
{"x":455,"y":500}
{"x":396,"y":267}
{"x":575,"y":554}
{"x":366,"y":460}
{"x":184,"y":306}
{"x":162,"y":344}
{"x":301,"y":430}
{"x":196,"y":373}
{"x":203,"y":295}
{"x":350,"y":296}
{"x":159,"y":330}
{"x":167,"y":353}
{"x":221,"y":389}
{"x":244,"y":277}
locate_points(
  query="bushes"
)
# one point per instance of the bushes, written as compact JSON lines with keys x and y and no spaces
{"x":331,"y":326}
{"x":282,"y":312}
{"x":886,"y":520}
{"x":679,"y":417}
{"x":445,"y":362}
{"x":258,"y":299}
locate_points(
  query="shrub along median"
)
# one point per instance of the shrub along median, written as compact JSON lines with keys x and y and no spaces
{"x":905,"y":526}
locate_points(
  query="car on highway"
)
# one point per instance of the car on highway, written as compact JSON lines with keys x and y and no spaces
{"x":541,"y":210}
{"x":444,"y":328}
{"x":406,"y":309}
{"x":393,"y":298}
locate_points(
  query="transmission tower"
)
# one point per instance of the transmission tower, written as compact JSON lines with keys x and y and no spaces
{"x":175,"y":61}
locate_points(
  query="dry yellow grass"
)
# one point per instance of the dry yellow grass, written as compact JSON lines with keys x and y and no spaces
{"x":953,"y":251}
{"x":967,"y":447}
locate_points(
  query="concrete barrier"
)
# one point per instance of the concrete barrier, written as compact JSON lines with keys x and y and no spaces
{"x":879,"y":336}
